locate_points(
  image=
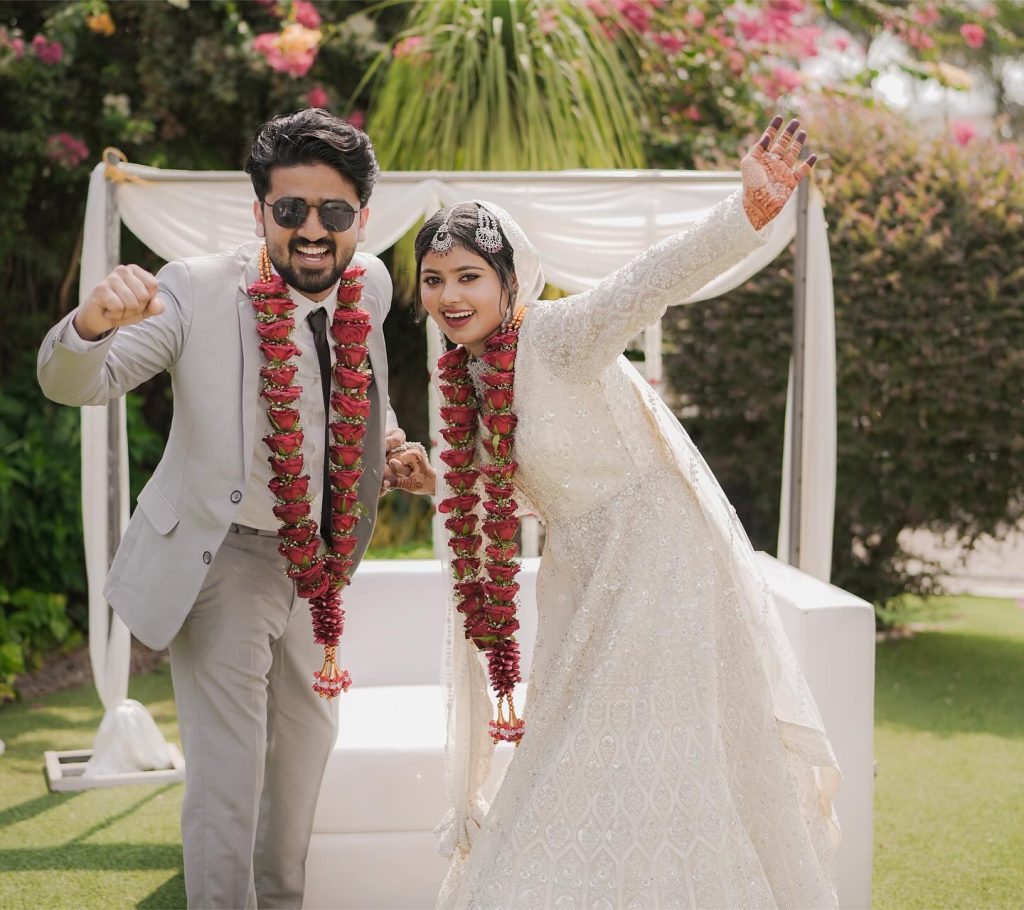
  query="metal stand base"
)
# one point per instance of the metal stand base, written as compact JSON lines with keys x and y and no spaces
{"x":65,"y":770}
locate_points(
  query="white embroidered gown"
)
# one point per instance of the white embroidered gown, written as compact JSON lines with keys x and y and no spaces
{"x":673,"y":756}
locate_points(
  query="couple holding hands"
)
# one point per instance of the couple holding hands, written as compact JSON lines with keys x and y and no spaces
{"x":671,"y":754}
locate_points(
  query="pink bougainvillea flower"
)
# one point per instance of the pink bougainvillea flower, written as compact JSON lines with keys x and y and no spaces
{"x":357,"y":118}
{"x":408,"y":46}
{"x":963,"y":131}
{"x":974,"y":35}
{"x":293,"y":50}
{"x":671,"y":44}
{"x":66,"y":150}
{"x":49,"y":52}
{"x":305,"y":14}
{"x":317,"y":96}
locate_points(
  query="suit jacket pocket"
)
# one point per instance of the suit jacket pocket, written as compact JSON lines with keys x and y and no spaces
{"x":161,"y":514}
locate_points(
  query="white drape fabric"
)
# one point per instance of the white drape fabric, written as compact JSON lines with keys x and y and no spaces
{"x":585,"y":224}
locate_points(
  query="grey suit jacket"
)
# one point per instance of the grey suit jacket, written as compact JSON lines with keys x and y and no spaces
{"x":206,"y":338}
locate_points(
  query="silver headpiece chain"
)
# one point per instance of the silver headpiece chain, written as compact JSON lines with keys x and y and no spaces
{"x":442,"y":241}
{"x":488,"y":235}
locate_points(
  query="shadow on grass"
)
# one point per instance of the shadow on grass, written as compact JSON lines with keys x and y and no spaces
{"x":98,"y":857}
{"x":949,"y":683}
{"x":22,"y":812}
{"x":169,"y":896}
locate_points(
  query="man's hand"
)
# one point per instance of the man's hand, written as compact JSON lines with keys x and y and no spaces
{"x":126,"y":296}
{"x":407,"y":467}
{"x":769,"y":175}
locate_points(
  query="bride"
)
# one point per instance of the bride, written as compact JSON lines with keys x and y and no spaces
{"x":671,"y":754}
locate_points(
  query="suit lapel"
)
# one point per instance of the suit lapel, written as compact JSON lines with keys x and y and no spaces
{"x":250,"y":362}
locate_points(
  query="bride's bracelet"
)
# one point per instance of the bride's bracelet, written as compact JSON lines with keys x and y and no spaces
{"x":408,"y":447}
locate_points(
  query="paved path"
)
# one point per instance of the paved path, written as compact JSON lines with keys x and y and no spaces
{"x":992,"y":569}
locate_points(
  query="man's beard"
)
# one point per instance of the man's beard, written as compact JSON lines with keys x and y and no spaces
{"x":307,"y":281}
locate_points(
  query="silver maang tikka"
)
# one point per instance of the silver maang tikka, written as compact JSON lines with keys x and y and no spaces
{"x":488,"y":236}
{"x":442,"y":240}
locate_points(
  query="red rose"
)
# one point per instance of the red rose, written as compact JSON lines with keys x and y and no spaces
{"x":299,"y":534}
{"x":283,"y":467}
{"x":278,"y":330}
{"x":500,"y":360}
{"x":278,"y":353}
{"x":500,"y":473}
{"x":281,"y":394}
{"x":469,"y":589}
{"x":453,"y":359}
{"x":499,"y":398}
{"x":273,"y":286}
{"x":500,"y":449}
{"x":461,"y":481}
{"x":465,"y":546}
{"x":462,"y":503}
{"x":458,"y":458}
{"x":283,"y":419}
{"x":345,"y":480}
{"x":465,"y":568}
{"x":458,"y":436}
{"x":479,"y":626}
{"x":351,"y":379}
{"x":345,"y":545}
{"x":500,"y":613}
{"x":459,"y":415}
{"x":461,"y":525}
{"x":278,"y":375}
{"x":353,"y":356}
{"x":351,"y":315}
{"x":344,"y":523}
{"x":312,"y":591}
{"x":346,"y":456}
{"x":457,"y":393}
{"x":284,"y":443}
{"x":503,"y":573}
{"x":502,"y":593}
{"x":290,"y":490}
{"x":349,"y":293}
{"x":503,"y":551}
{"x":502,"y":511}
{"x":504,"y":339}
{"x":505,"y":529}
{"x":499,"y":492}
{"x":353,"y":272}
{"x":274,"y":306}
{"x":469,"y":605}
{"x":503,"y":424}
{"x":350,"y":407}
{"x":454,"y":375}
{"x":310,"y":574}
{"x":348,"y":433}
{"x":499,"y":379}
{"x":299,"y":554}
{"x":344,"y":333}
{"x":292,"y":512}
{"x":344,"y":502}
{"x":338,"y":563}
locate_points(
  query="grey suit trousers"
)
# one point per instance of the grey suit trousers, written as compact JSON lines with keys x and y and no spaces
{"x":242,"y":666}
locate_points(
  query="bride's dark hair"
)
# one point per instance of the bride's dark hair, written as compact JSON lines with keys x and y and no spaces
{"x":462,"y":225}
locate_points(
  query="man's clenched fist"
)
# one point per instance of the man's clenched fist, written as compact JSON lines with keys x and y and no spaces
{"x":126,"y":296}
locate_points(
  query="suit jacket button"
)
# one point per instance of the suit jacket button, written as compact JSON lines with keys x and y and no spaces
{"x":207,"y":558}
{"x":236,"y":496}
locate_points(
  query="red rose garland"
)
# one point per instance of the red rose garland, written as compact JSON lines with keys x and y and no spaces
{"x":319,"y":576}
{"x":487,"y":601}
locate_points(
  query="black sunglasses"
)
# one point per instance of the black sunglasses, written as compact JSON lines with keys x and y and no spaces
{"x":292,"y":212}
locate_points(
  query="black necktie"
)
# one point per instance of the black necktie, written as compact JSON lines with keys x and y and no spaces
{"x":318,"y":323}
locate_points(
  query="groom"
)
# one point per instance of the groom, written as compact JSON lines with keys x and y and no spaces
{"x":199,"y":568}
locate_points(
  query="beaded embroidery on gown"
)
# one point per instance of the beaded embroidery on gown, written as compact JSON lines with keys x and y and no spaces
{"x":673,"y":756}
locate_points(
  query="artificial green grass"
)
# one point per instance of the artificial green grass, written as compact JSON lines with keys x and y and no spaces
{"x":949,"y":742}
{"x":107,"y":848}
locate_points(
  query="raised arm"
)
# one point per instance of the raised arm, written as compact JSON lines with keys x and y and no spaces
{"x":131,"y":327}
{"x":582,"y":334}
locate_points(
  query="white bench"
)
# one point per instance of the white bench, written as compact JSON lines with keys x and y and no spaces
{"x":384,"y":788}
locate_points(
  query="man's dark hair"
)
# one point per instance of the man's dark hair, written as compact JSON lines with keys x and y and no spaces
{"x":462,"y":225}
{"x":312,"y":136}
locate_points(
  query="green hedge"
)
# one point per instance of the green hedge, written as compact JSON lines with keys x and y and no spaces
{"x":926,"y":239}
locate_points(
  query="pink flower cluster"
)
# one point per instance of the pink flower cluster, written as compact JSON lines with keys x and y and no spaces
{"x":974,"y":35}
{"x":407,"y":47}
{"x":16,"y":45}
{"x":317,"y":96}
{"x":293,"y":50}
{"x":66,"y":150}
{"x":49,"y":52}
{"x":773,"y":24}
{"x":963,"y":131}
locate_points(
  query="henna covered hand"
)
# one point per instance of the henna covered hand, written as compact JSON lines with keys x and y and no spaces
{"x":770,"y":171}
